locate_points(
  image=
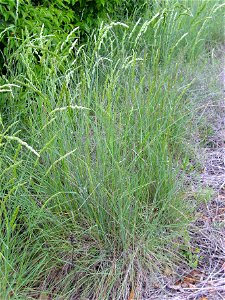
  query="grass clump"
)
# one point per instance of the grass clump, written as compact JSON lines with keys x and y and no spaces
{"x":92,"y":138}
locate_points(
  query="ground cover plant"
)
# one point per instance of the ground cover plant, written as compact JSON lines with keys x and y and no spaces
{"x":94,"y":142}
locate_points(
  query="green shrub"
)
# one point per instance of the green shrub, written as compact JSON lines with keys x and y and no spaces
{"x":56,"y":15}
{"x":51,"y":17}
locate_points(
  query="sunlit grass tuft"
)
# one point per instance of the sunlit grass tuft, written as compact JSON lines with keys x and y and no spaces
{"x":92,"y":146}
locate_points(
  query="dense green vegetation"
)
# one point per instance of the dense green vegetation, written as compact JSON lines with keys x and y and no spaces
{"x":57,"y":16}
{"x":93,"y":138}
